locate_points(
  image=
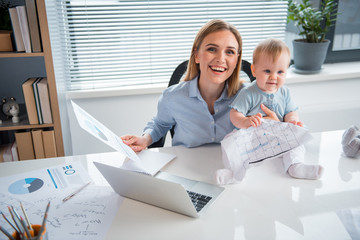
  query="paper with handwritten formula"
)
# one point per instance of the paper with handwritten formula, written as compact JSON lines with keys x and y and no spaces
{"x":88,"y":215}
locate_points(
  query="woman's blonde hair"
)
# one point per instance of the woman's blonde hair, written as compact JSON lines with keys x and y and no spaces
{"x":271,"y":47}
{"x":193,"y":68}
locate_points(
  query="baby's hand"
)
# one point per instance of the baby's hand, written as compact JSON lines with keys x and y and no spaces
{"x":254,"y":120}
{"x":297,"y":123}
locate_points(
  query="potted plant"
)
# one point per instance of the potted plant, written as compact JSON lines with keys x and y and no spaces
{"x":313,"y":24}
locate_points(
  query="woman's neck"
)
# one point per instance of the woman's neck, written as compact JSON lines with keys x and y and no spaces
{"x":210,"y":93}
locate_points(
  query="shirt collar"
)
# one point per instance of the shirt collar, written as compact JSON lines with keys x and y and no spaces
{"x":261,"y":91}
{"x":195,"y":92}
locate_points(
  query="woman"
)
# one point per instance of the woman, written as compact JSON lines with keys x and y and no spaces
{"x":198,"y":107}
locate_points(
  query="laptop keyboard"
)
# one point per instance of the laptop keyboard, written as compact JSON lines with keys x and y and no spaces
{"x":198,"y":200}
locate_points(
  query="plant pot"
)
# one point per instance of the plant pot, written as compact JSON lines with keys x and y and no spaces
{"x":309,"y":57}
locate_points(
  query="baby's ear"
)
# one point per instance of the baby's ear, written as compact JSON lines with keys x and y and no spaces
{"x":252,"y":67}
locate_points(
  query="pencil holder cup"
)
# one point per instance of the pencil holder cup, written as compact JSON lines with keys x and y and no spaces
{"x":34,"y":233}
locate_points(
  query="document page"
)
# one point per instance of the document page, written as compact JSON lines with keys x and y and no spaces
{"x":86,"y":216}
{"x":146,"y":161}
{"x":270,"y":139}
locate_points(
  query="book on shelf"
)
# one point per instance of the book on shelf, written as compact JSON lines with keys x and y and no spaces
{"x":30,"y":100}
{"x":24,"y":27}
{"x":5,"y":153}
{"x":38,"y":143}
{"x":16,"y":29}
{"x":49,"y":143}
{"x":44,"y":99}
{"x":33,"y":25}
{"x":25,"y":145}
{"x":14,"y":152}
{"x":37,"y":100}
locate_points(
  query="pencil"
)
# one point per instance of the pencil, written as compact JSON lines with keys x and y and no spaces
{"x":25,"y":227}
{"x":18,"y":222}
{"x":6,"y":233}
{"x":26,"y":217}
{"x":8,"y":221}
{"x":44,"y":220}
{"x":12,"y":216}
{"x":42,"y":226}
{"x":76,"y":192}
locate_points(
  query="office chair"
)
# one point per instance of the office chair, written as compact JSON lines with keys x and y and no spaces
{"x":175,"y":79}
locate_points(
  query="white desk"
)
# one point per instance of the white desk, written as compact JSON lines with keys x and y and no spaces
{"x":268,"y":204}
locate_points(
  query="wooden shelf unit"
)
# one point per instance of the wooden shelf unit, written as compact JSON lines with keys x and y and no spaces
{"x":50,"y":74}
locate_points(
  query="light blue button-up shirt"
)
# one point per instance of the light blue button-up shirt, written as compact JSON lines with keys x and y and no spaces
{"x":183,"y":106}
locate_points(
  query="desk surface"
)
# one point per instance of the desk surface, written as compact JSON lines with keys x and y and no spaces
{"x":267,"y":204}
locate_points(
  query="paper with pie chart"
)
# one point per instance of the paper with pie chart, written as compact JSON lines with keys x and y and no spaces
{"x":149,"y":162}
{"x":98,"y":130}
{"x":87,"y":216}
{"x":40,"y":183}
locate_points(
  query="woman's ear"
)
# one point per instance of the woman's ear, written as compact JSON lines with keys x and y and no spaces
{"x":253,"y":70}
{"x":196,"y":57}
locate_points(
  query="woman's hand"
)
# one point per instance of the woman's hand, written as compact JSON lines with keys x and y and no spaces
{"x":137,"y":143}
{"x":269,"y":114}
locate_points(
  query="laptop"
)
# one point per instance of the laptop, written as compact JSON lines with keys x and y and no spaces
{"x":181,"y":195}
{"x":140,"y":178}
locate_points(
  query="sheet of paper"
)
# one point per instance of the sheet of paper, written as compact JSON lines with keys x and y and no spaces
{"x":88,"y":215}
{"x":146,"y":161}
{"x":154,"y":161}
{"x":98,"y":130}
{"x":270,"y":139}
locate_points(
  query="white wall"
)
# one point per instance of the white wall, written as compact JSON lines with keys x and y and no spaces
{"x":324,"y":106}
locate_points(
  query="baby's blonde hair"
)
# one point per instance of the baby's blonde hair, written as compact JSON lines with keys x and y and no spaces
{"x":271,"y":47}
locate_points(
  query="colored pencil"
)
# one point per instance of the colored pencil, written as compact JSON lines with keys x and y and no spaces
{"x":26,"y":217}
{"x":8,"y":221}
{"x":6,"y":233}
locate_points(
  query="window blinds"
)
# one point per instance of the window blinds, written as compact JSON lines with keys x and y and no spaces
{"x":107,"y":44}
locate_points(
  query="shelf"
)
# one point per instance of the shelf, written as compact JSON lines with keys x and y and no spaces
{"x":19,"y":54}
{"x":8,"y":125}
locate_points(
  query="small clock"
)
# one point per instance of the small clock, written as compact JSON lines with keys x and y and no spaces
{"x":7,"y":104}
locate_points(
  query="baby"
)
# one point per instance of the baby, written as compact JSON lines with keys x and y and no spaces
{"x":271,"y":59}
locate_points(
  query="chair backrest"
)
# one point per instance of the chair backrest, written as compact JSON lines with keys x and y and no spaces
{"x":175,"y":79}
{"x":181,"y":69}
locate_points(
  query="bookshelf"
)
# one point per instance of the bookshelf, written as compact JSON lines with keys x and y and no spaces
{"x":46,"y":54}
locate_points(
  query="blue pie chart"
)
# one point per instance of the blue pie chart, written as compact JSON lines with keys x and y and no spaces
{"x":25,"y":186}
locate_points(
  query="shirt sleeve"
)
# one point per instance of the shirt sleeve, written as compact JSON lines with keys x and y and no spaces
{"x":163,"y":120}
{"x":290,"y":104}
{"x":242,"y":102}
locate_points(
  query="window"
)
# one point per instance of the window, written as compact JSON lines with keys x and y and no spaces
{"x":107,"y":44}
{"x":345,"y":34}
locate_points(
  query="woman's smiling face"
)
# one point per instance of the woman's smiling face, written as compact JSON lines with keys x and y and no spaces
{"x":217,"y":56}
